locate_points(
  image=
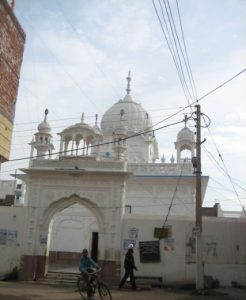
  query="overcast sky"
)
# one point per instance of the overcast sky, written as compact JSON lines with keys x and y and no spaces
{"x":77,"y":56}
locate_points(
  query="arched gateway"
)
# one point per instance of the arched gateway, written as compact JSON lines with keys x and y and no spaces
{"x":50,"y":191}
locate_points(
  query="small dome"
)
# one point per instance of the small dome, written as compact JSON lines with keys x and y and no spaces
{"x":185,"y":134}
{"x":79,"y":128}
{"x":44,"y":127}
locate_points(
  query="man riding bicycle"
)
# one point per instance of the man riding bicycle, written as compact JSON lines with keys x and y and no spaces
{"x":85,"y":266}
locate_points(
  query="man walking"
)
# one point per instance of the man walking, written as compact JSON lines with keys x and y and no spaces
{"x":129,"y":266}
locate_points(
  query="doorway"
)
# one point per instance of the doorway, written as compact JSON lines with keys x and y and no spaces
{"x":73,"y":229}
{"x":94,"y":246}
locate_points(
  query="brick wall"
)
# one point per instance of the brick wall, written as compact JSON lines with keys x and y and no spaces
{"x":12,"y":40}
{"x":66,"y":258}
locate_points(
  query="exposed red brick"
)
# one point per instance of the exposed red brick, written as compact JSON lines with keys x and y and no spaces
{"x":32,"y":267}
{"x":12,"y":40}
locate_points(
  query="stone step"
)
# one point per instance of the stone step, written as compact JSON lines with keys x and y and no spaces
{"x":59,"y":278}
{"x":62,"y":275}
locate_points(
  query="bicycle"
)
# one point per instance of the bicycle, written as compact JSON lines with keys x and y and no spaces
{"x":96,"y":285}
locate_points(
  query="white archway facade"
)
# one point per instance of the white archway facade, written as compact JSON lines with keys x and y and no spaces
{"x":50,"y":192}
{"x":73,"y":232}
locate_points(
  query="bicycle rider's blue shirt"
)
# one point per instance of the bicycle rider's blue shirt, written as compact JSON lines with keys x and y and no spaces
{"x":86,"y":263}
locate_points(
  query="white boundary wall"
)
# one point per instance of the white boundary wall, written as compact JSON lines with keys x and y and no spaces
{"x":224,"y":249}
{"x":224,"y":246}
{"x":12,"y":220}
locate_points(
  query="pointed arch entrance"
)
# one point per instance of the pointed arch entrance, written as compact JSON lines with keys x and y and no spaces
{"x":86,"y":206}
{"x":70,"y":222}
{"x":65,"y":202}
{"x":35,"y":263}
{"x":73,"y":229}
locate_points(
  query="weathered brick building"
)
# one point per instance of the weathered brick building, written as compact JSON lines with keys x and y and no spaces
{"x":12,"y":40}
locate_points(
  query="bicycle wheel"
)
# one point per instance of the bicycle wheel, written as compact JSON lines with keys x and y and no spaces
{"x":104,"y":292}
{"x":82,"y":288}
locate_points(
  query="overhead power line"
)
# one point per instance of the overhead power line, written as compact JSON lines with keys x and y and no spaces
{"x":186,"y":53}
{"x":224,"y":169}
{"x":176,"y":46}
{"x":182,"y":109}
{"x":221,"y":85}
{"x":173,"y":197}
{"x":203,"y":97}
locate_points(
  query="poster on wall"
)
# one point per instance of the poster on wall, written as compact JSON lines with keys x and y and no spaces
{"x":8,"y":237}
{"x":169,"y":244}
{"x":133,"y":233}
{"x":11,"y":237}
{"x":3,"y":236}
{"x":43,"y":238}
{"x":149,"y":251}
{"x":128,"y":242}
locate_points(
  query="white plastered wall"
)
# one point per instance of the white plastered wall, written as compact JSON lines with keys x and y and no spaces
{"x":11,"y":240}
{"x":224,"y":248}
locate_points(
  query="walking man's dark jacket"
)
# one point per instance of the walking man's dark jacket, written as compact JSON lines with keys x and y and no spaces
{"x":129,"y":263}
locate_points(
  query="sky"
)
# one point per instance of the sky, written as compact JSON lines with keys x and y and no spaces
{"x":77,"y":56}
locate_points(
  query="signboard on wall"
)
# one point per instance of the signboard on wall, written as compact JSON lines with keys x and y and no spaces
{"x":3,"y":236}
{"x":149,"y":251}
{"x":8,"y":237}
{"x":163,"y":232}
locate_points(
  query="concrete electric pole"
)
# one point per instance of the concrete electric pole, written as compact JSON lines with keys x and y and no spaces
{"x":199,"y":256}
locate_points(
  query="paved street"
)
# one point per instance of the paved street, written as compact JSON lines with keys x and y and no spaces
{"x":35,"y":291}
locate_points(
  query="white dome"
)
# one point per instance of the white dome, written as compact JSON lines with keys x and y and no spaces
{"x":125,"y":113}
{"x":185,"y":134}
{"x":128,"y":113}
{"x":44,"y":127}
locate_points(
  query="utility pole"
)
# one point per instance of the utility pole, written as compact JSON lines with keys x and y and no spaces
{"x":199,"y":256}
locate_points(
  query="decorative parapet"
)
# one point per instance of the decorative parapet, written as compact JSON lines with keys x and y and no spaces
{"x":78,"y":163}
{"x":160,"y":169}
{"x":90,"y":163}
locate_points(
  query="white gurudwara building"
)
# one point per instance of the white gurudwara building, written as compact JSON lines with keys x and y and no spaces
{"x":105,"y":189}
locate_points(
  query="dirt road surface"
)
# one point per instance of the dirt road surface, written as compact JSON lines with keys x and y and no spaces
{"x":35,"y":291}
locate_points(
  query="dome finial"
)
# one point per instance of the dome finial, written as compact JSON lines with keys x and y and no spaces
{"x":45,"y":114}
{"x":186,"y":120}
{"x":96,"y":120}
{"x":44,"y":127}
{"x":128,"y":78}
{"x":82,"y":117}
